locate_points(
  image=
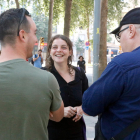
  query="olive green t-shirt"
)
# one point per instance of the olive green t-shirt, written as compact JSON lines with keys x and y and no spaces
{"x":27,"y":95}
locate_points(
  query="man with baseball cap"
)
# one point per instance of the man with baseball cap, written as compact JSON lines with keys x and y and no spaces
{"x":115,"y":96}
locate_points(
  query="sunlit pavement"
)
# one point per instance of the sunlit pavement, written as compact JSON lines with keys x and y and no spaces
{"x":90,"y":123}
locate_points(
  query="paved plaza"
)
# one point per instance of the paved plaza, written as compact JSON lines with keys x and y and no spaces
{"x":90,"y":123}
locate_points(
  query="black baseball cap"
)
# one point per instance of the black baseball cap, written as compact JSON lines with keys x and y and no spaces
{"x":132,"y":17}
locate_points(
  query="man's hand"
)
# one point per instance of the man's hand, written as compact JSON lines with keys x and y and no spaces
{"x":69,"y":112}
{"x":39,"y":55}
{"x":34,"y":59}
{"x":79,"y":113}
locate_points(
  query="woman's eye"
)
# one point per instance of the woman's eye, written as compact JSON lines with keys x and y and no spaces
{"x":64,"y":48}
{"x":54,"y":47}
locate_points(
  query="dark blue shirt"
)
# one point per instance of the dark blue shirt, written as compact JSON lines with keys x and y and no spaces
{"x":116,"y":94}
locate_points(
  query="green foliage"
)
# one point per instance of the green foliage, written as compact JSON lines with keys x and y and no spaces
{"x":82,"y":10}
{"x":38,"y":16}
{"x":135,"y":2}
{"x":109,"y":39}
{"x":41,"y":22}
{"x":58,"y":10}
{"x":115,"y":8}
{"x":44,"y":6}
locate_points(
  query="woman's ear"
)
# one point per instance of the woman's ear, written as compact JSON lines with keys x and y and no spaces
{"x":70,"y":53}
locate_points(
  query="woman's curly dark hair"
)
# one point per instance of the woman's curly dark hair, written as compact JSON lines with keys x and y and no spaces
{"x":81,"y":56}
{"x":49,"y":60}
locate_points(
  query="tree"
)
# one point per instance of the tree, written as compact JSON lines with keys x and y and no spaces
{"x":112,"y":9}
{"x":41,"y":22}
{"x":50,"y":20}
{"x":103,"y":37}
{"x":67,"y":18}
{"x":58,"y":10}
{"x":82,"y":15}
{"x":115,"y":11}
{"x":135,"y":3}
{"x":17,"y":4}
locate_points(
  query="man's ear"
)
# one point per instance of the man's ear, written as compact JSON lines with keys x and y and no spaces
{"x":132,"y":31}
{"x":22,"y":35}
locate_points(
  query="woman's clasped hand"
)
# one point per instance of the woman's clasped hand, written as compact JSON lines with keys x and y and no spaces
{"x":73,"y":111}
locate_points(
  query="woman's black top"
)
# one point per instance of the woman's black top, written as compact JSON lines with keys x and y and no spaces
{"x":71,"y":94}
{"x":81,"y":64}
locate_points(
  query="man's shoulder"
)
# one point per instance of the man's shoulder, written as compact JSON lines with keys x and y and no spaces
{"x":42,"y":76}
{"x":127,"y":60}
{"x":35,"y":55}
{"x":121,"y":58}
{"x":40,"y":72}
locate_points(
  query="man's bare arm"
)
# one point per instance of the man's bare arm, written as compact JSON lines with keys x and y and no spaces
{"x":34,"y":59}
{"x":58,"y":114}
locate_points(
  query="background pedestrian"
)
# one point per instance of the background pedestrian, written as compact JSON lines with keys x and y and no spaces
{"x":81,"y":63}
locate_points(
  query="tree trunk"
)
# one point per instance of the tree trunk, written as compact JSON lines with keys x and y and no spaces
{"x":89,"y":57}
{"x":67,"y":19}
{"x":17,"y":4}
{"x":50,"y":20}
{"x":103,"y":37}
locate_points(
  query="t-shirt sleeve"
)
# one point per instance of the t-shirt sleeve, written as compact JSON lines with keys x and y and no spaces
{"x":55,"y":93}
{"x":105,"y":91}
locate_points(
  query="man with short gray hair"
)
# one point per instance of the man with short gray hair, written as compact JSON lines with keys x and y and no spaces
{"x":115,"y":96}
{"x":27,"y":94}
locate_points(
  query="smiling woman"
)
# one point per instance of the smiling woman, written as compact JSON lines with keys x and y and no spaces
{"x":60,"y":51}
{"x":73,"y":82}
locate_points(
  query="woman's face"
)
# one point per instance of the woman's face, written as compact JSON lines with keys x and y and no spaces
{"x":81,"y":58}
{"x":60,"y":51}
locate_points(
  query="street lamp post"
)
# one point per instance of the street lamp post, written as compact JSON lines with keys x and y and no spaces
{"x":96,"y":38}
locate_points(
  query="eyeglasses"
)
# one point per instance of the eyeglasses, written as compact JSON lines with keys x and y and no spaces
{"x":117,"y":36}
{"x":24,"y":11}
